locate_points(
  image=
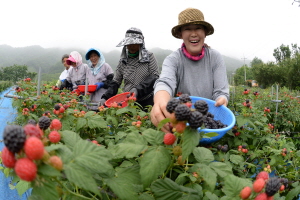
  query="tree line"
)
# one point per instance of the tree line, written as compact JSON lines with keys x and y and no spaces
{"x":15,"y":73}
{"x":285,"y":71}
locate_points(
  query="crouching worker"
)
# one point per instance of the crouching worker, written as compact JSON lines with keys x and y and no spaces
{"x":137,"y":68}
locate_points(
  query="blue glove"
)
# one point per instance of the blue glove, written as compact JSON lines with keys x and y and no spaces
{"x":99,"y":85}
{"x":63,"y":80}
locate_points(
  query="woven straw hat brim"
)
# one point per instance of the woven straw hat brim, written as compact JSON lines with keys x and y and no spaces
{"x":209,"y":27}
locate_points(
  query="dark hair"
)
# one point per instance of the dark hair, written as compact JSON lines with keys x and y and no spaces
{"x":63,"y":57}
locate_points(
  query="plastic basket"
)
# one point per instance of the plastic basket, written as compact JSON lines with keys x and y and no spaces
{"x":119,"y":99}
{"x":221,"y":113}
{"x":91,"y":88}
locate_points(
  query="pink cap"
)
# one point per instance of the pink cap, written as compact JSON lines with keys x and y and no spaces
{"x":70,"y":59}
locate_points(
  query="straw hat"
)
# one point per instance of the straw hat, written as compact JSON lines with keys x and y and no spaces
{"x":191,"y":16}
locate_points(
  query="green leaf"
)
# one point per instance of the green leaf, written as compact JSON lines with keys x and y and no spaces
{"x":22,"y":187}
{"x":146,"y":196}
{"x":80,"y":177}
{"x":165,"y":189}
{"x":126,"y":109}
{"x":203,"y":155}
{"x":196,"y":187}
{"x":210,"y":134}
{"x":293,"y":193}
{"x":81,"y":122}
{"x":131,"y":147}
{"x":48,"y":170}
{"x":70,"y":138}
{"x":93,"y":157}
{"x":89,"y":114}
{"x":162,"y":123}
{"x":233,"y":185}
{"x":208,"y":175}
{"x":182,"y":178}
{"x":124,"y":184}
{"x":153,"y":164}
{"x":211,"y":196}
{"x":45,"y":190}
{"x":222,"y":169}
{"x":190,"y":141}
{"x":96,"y":122}
{"x":153,"y":137}
{"x":236,"y":159}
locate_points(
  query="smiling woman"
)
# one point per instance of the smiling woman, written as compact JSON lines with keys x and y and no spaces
{"x":194,"y":69}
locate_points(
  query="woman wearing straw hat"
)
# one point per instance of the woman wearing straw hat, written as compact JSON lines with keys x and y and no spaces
{"x":193,"y":69}
{"x":137,"y":68}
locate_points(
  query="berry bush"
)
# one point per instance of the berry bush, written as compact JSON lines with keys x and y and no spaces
{"x":116,"y":153}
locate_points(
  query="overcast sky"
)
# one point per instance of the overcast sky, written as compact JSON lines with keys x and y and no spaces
{"x":252,"y":28}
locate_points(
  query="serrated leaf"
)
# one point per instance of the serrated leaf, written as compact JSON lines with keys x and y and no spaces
{"x":162,"y":123}
{"x":209,"y":176}
{"x":236,"y":159}
{"x":22,"y":187}
{"x":81,"y":122}
{"x":146,"y":196}
{"x":211,"y":196}
{"x":48,"y":170}
{"x":182,"y":178}
{"x":153,"y":164}
{"x":222,"y":169}
{"x":89,"y":114}
{"x":190,"y":139}
{"x":154,"y":137}
{"x":123,"y":185}
{"x":131,"y":147}
{"x":165,"y":189}
{"x":70,"y":138}
{"x":293,"y":193}
{"x":80,"y":177}
{"x":45,"y":190}
{"x":210,"y":134}
{"x":126,"y":109}
{"x":196,"y":187}
{"x":96,"y":122}
{"x":203,"y":155}
{"x":93,"y":157}
{"x":233,"y":185}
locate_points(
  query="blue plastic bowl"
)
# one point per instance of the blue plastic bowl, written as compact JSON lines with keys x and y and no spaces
{"x":221,"y":113}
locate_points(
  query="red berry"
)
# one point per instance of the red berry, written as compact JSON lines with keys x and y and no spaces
{"x":180,"y":127}
{"x":26,"y":169}
{"x":169,"y":139}
{"x":8,"y":158}
{"x":62,"y":109}
{"x":263,"y":174}
{"x":258,"y":185}
{"x":245,"y":193}
{"x":261,"y":196}
{"x":54,"y":137}
{"x":282,"y":187}
{"x":55,"y":124}
{"x":32,"y":130}
{"x":94,"y":141}
{"x":56,"y":162}
{"x":34,"y":148}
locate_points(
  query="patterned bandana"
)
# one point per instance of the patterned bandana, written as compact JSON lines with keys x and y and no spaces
{"x":189,"y":56}
{"x":134,"y":36}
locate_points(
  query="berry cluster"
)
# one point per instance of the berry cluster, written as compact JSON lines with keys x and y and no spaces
{"x":223,"y":148}
{"x":243,"y":148}
{"x":246,"y":91}
{"x":264,"y":187}
{"x":181,"y":112}
{"x":24,"y":147}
